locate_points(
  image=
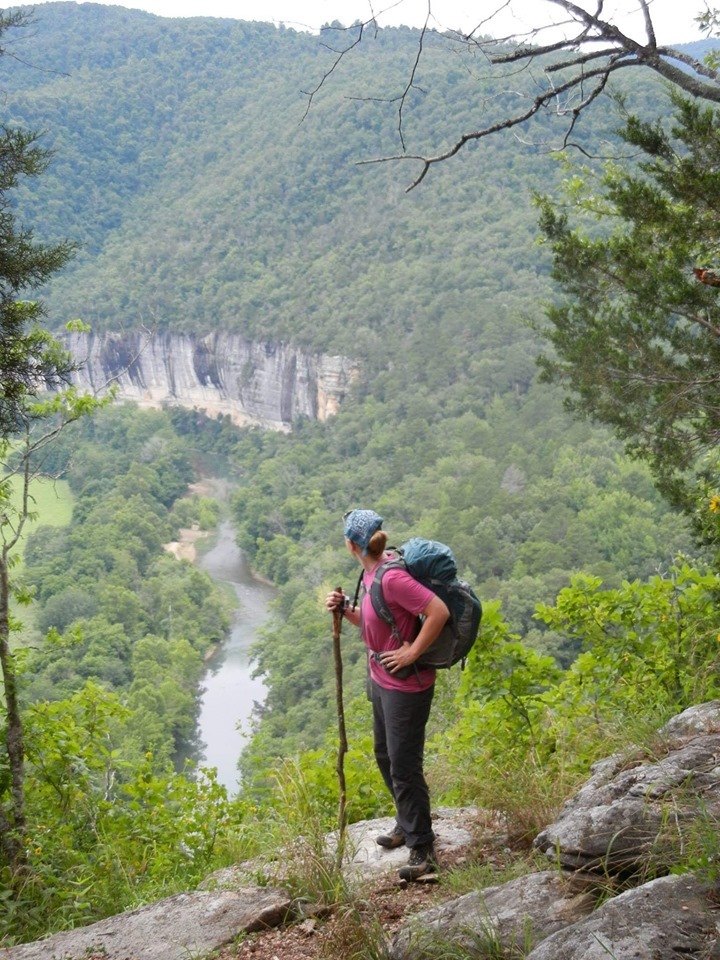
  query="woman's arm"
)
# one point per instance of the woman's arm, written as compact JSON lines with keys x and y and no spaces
{"x":352,"y":615}
{"x":436,"y":615}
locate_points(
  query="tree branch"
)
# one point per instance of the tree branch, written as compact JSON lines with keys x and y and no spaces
{"x":340,"y":54}
{"x":617,"y":51}
{"x":408,"y":87}
{"x":540,"y":102}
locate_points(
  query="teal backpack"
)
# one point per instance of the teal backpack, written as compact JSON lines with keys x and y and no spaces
{"x":433,"y":564}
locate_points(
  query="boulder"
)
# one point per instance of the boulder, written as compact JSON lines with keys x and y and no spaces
{"x":700,"y":719}
{"x":665,"y":918}
{"x":186,"y":925}
{"x":454,"y":827}
{"x":511,"y":916}
{"x":618,"y":822}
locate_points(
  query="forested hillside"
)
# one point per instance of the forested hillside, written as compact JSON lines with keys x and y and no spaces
{"x":203,"y":196}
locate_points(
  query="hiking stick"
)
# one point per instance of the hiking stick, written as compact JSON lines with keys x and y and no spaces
{"x":342,"y":745}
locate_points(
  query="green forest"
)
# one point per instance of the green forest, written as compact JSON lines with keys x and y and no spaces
{"x":193,"y":190}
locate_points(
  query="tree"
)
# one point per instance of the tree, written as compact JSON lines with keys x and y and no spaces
{"x":31,"y":361}
{"x":635,"y":340}
{"x":31,"y":358}
{"x":38,"y":423}
{"x":569,"y":74}
{"x":637,"y":337}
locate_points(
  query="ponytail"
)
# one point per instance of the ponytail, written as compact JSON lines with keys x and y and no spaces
{"x":377,"y":544}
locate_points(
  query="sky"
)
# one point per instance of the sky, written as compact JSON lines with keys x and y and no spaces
{"x":673,"y":18}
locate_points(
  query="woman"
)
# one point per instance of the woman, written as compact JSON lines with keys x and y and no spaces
{"x":401,"y":707}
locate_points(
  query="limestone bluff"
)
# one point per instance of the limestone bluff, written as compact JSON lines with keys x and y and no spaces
{"x":268,"y":384}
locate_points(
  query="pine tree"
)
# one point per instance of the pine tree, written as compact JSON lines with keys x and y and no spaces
{"x":637,"y":334}
{"x":31,"y":362}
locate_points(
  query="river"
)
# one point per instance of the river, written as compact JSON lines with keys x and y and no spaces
{"x":229,"y":689}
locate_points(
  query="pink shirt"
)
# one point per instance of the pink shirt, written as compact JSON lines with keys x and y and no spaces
{"x":406,"y":598}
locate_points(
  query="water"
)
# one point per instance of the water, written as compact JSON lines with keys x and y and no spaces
{"x":229,"y":690}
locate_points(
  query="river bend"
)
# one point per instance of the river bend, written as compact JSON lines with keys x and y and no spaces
{"x":229,"y":690}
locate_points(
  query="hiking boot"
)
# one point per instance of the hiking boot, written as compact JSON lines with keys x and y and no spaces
{"x":422,"y":860}
{"x":395,"y":838}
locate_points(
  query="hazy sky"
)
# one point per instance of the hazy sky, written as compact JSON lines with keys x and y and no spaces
{"x":673,"y":18}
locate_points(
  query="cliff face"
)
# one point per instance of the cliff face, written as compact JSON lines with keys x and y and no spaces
{"x":268,"y":384}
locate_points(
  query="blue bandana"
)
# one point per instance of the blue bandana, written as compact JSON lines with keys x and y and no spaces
{"x":360,"y":525}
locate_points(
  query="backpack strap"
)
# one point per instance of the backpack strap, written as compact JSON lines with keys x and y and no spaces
{"x":376,"y":595}
{"x":379,"y":573}
{"x":357,"y":590}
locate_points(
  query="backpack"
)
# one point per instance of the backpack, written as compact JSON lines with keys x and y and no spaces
{"x":433,"y":564}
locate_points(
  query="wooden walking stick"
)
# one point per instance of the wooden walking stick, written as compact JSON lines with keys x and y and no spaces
{"x":342,"y":742}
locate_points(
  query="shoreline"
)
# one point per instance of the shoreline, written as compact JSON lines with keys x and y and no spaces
{"x":184,"y":548}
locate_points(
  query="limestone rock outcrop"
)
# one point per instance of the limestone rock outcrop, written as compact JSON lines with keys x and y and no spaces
{"x":187,"y":925}
{"x":268,"y":384}
{"x":623,"y":829}
{"x":664,"y":918}
{"x":616,"y":823}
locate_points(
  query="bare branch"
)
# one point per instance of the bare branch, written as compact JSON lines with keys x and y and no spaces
{"x":539,"y":103}
{"x":593,"y":95}
{"x":402,"y":97}
{"x":593,"y":51}
{"x":311,"y":94}
{"x":584,"y":59}
{"x":413,"y":74}
{"x":696,"y":318}
{"x":649,"y":27}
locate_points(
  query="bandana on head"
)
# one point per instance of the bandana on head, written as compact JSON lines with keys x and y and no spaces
{"x":360,"y":525}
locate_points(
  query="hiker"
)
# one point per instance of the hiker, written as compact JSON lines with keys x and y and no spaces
{"x":401,"y":707}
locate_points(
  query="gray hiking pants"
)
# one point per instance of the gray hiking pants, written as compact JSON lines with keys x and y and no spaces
{"x":399,"y":721}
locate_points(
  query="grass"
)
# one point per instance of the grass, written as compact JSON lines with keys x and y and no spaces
{"x":477,"y":875}
{"x":356,"y":935}
{"x":308,"y":865}
{"x":467,"y":944}
{"x":51,"y":504}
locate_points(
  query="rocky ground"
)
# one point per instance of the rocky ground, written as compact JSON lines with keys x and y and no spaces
{"x":334,"y":936}
{"x":602,"y":877}
{"x":383,"y":905}
{"x":213,"y":921}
